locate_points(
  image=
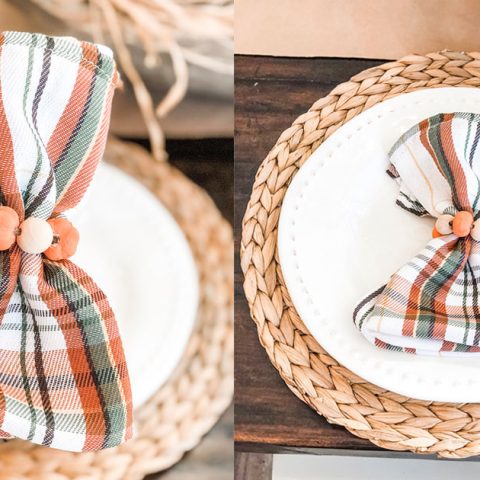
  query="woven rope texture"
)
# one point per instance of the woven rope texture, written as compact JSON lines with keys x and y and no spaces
{"x":386,"y":419}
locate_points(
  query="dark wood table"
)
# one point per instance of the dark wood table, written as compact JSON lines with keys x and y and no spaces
{"x":270,"y":93}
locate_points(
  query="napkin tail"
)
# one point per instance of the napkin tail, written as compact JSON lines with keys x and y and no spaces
{"x":411,"y":312}
{"x":67,"y":386}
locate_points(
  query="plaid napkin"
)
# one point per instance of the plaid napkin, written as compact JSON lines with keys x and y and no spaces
{"x":63,"y":377}
{"x":431,"y":305}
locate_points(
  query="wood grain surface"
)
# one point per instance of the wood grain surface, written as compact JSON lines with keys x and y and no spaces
{"x":269,"y":94}
{"x":253,"y":466}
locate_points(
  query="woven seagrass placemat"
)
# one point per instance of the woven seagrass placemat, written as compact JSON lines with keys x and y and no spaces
{"x":385,"y":418}
{"x":201,"y":388}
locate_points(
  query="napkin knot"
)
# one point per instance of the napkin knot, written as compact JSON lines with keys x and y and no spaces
{"x":461,"y":224}
{"x":431,"y":304}
{"x":56,"y":238}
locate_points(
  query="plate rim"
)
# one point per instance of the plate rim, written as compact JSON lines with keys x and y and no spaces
{"x":296,"y":288}
{"x":151,"y":362}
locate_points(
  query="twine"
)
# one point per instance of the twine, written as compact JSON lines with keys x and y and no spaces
{"x":385,"y":418}
{"x":200,"y":389}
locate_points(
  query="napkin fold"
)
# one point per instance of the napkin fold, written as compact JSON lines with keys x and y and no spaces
{"x":431,"y":305}
{"x":63,"y":377}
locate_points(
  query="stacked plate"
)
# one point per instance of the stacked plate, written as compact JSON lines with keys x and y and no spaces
{"x":341,"y":236}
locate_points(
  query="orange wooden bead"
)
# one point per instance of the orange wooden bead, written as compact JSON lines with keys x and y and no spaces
{"x":9,"y":223}
{"x":68,"y":237}
{"x":462,"y":224}
{"x":436,"y":233}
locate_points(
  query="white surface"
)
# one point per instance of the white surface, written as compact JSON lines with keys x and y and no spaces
{"x":134,"y":250}
{"x":341,"y":236}
{"x":304,"y":467}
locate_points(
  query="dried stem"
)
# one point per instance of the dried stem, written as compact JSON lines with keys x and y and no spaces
{"x":170,"y":26}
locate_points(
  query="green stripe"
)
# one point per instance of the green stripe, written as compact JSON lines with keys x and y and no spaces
{"x":64,"y":422}
{"x":30,"y":413}
{"x":67,"y":48}
{"x":85,"y":136}
{"x":96,"y":348}
{"x":433,"y":285}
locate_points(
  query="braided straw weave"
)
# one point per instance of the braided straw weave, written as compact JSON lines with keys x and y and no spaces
{"x":386,"y":419}
{"x":201,"y":388}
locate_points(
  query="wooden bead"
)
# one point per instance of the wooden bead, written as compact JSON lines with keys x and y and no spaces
{"x":436,"y":233}
{"x":67,"y":242}
{"x":35,"y":236}
{"x":475,"y":232}
{"x":462,"y":224}
{"x":9,"y":223}
{"x":443,"y":224}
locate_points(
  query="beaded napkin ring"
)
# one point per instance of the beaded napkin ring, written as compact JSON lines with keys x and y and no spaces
{"x":63,"y":375}
{"x":461,"y":225}
{"x":56,"y":238}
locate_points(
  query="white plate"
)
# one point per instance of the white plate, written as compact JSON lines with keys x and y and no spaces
{"x":135,"y":251}
{"x":341,"y":235}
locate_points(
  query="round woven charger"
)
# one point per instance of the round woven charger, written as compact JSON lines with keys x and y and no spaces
{"x":200,"y":389}
{"x":385,"y":418}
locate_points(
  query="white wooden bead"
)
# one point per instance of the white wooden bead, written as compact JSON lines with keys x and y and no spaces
{"x":475,"y":232}
{"x":36,"y":235}
{"x":443,"y":224}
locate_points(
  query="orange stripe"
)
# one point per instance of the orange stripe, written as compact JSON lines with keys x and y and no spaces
{"x":424,"y":125}
{"x":13,"y":198}
{"x":8,"y":180}
{"x":460,"y":185}
{"x":72,"y":112}
{"x":82,"y":180}
{"x":93,"y":413}
{"x":113,"y":336}
{"x":441,"y":321}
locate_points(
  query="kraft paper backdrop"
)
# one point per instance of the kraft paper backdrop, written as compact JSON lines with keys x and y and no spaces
{"x":384,"y":29}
